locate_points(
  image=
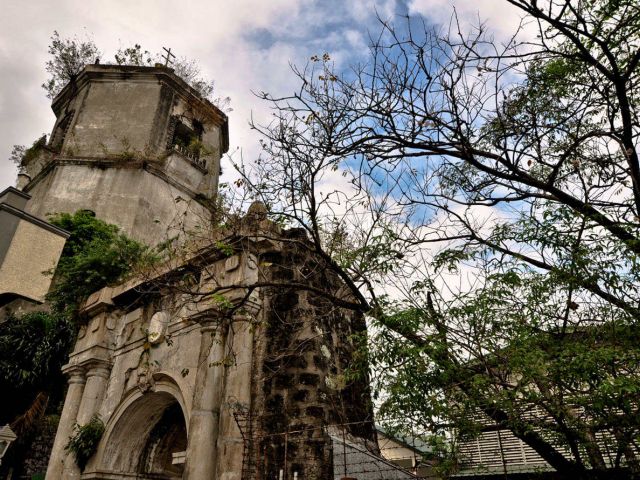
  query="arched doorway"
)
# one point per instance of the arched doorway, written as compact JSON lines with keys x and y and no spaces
{"x":163,"y":453}
{"x":147,"y":439}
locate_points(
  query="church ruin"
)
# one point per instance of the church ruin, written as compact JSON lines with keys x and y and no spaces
{"x":229,"y":363}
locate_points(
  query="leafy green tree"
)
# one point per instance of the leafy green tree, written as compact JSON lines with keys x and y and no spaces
{"x":68,"y":57}
{"x":133,"y":56}
{"x":492,"y":223}
{"x":95,"y":255}
{"x":33,"y":348}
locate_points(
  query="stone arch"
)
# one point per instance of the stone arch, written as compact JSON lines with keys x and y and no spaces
{"x":143,"y":431}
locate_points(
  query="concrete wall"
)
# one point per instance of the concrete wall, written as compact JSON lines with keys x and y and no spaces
{"x":116,"y":117}
{"x":29,"y":247}
{"x":32,"y":252}
{"x":144,"y":202}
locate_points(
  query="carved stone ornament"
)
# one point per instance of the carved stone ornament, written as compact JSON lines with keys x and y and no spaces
{"x":252,"y":262}
{"x":158,"y":327}
{"x":82,"y":331}
{"x":145,"y":380}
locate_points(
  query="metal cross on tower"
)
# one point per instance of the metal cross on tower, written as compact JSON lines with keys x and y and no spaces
{"x":167,"y":59}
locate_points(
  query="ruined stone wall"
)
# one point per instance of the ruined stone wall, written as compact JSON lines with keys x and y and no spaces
{"x":28,"y":457}
{"x":37,"y":457}
{"x":302,"y":355}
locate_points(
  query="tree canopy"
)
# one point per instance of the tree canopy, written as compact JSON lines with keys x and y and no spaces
{"x":68,"y":57}
{"x":490,"y":224}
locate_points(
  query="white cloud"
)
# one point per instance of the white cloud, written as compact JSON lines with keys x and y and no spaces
{"x":500,"y":17}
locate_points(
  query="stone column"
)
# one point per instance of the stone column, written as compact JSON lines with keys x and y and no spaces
{"x":237,"y":389}
{"x":204,"y":422}
{"x":97,"y":379}
{"x":59,"y":457}
{"x":96,"y":384}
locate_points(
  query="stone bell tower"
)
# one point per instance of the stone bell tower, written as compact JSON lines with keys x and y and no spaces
{"x":136,"y":145}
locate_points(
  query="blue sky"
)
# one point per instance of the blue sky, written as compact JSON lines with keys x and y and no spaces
{"x":245,"y":46}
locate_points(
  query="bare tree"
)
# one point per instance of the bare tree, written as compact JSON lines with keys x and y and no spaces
{"x":514,"y":162}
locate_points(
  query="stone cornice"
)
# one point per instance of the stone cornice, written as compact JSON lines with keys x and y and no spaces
{"x":74,"y":372}
{"x":97,"y":367}
{"x":91,"y":357}
{"x":15,"y":191}
{"x":263,"y":235}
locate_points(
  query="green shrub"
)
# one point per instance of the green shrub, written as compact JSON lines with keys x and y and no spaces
{"x":84,"y":441}
{"x":95,"y":255}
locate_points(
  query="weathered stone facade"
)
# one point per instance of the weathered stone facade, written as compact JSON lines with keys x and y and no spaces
{"x":229,"y":362}
{"x":151,"y":353}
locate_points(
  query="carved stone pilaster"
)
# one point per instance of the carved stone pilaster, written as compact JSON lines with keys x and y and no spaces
{"x":60,"y":460}
{"x":204,"y":424}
